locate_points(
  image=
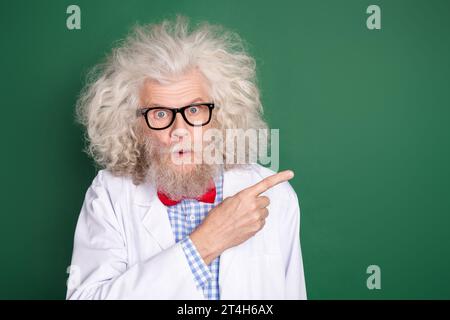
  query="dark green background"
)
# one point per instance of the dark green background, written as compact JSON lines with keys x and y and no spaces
{"x":363,"y":118}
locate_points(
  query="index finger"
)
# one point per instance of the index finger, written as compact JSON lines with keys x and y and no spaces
{"x":270,"y":182}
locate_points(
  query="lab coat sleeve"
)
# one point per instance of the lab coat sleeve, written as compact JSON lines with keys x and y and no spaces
{"x":100,"y":270}
{"x":295,"y":287}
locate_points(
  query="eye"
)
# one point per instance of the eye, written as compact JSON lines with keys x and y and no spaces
{"x":193,"y":110}
{"x":160,"y":114}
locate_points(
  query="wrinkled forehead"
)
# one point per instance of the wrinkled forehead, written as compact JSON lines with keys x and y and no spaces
{"x":177,"y":92}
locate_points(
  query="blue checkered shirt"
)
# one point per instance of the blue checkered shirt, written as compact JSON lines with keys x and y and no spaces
{"x":184,"y":217}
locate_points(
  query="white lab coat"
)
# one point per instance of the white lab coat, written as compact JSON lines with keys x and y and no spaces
{"x":124,"y":247}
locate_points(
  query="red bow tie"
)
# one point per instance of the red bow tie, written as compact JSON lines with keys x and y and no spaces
{"x":208,"y":197}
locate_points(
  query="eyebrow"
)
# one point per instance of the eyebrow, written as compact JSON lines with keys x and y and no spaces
{"x":159,"y":105}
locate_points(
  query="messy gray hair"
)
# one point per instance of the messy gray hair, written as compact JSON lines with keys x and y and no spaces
{"x":107,"y":105}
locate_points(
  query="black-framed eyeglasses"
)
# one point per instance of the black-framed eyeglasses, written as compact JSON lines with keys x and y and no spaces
{"x":159,"y":118}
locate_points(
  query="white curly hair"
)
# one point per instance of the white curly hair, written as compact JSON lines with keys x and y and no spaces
{"x":107,"y":105}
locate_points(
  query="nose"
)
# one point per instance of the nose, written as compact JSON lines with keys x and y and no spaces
{"x":179,"y":128}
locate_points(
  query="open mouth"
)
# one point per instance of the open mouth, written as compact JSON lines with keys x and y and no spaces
{"x":183,"y":152}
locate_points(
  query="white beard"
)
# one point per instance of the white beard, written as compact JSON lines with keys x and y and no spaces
{"x":177,"y":181}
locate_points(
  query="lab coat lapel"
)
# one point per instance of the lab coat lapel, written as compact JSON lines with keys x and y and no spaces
{"x":233,"y":182}
{"x":154,"y":215}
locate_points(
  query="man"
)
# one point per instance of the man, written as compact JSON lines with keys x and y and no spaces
{"x":158,"y":224}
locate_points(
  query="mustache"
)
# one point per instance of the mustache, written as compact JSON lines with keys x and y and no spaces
{"x":180,"y":147}
{"x":174,"y":148}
